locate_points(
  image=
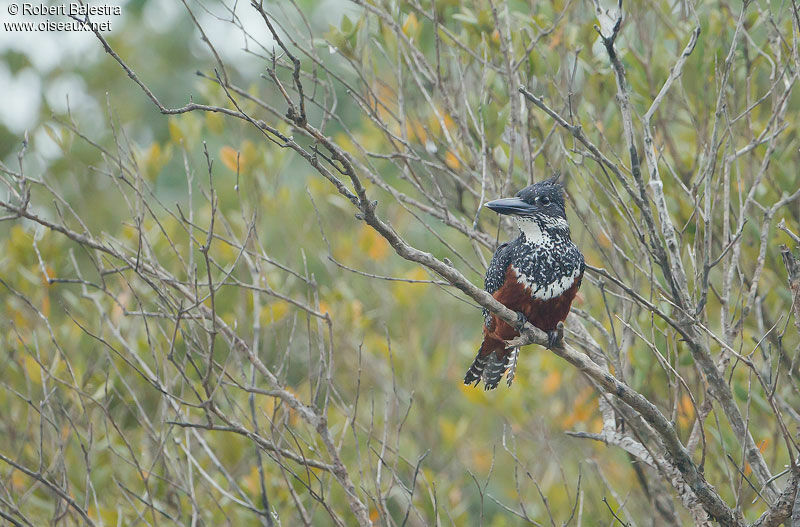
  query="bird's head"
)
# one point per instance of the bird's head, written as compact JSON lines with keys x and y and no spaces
{"x":543,"y":200}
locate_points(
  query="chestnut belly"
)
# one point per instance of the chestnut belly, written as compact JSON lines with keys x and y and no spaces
{"x":545,"y":314}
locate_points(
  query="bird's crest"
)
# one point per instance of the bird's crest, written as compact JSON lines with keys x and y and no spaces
{"x":557,"y":180}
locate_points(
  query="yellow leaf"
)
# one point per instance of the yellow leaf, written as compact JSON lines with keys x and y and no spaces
{"x":17,"y":480}
{"x":20,"y":239}
{"x":151,"y":160}
{"x":388,"y":103}
{"x":419,"y":130}
{"x":154,"y":160}
{"x":474,"y":395}
{"x":215,"y":122}
{"x":447,"y":429}
{"x":252,"y":481}
{"x":411,"y":25}
{"x":175,"y":132}
{"x":357,"y":312}
{"x":454,"y":496}
{"x":344,"y":142}
{"x":230,"y":158}
{"x":551,"y":382}
{"x":33,"y":369}
{"x":556,"y":38}
{"x":448,"y":122}
{"x":375,"y":344}
{"x":582,"y":408}
{"x":409,"y":130}
{"x":372,"y":243}
{"x":119,"y":307}
{"x":433,"y":123}
{"x":451,"y":160}
{"x":415,"y":130}
{"x":247,"y":154}
{"x":418,"y":273}
{"x":597,"y":425}
{"x":599,"y":125}
{"x":405,"y":295}
{"x":274,"y":312}
{"x":685,"y":411}
{"x":482,"y":459}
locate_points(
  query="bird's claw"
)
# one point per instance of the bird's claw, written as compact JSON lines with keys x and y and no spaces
{"x":556,"y":336}
{"x":552,"y":339}
{"x":521,"y":320}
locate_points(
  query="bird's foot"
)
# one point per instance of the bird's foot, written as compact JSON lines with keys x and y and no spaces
{"x":511,"y":365}
{"x":521,"y":320}
{"x":555,"y":337}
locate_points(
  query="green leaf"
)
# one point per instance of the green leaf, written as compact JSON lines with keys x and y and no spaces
{"x":465,"y":16}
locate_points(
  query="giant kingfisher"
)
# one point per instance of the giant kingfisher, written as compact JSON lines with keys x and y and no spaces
{"x":537,"y":275}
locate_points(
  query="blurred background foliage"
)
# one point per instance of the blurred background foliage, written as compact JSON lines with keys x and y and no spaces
{"x":398,"y":344}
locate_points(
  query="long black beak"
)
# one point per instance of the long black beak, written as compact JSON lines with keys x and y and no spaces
{"x":511,"y":206}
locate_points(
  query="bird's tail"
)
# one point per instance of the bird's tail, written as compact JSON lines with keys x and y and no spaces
{"x":475,"y":372}
{"x":491,"y":367}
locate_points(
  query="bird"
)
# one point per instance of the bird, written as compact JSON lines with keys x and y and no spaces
{"x":537,"y":274}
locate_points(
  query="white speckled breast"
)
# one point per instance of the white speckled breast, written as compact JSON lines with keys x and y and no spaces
{"x":551,"y":290}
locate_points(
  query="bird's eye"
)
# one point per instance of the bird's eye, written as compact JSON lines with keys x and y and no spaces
{"x":544,"y":200}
